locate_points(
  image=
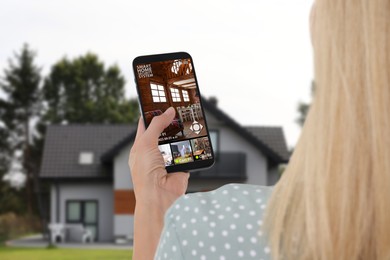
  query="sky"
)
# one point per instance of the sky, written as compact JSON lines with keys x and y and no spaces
{"x":255,"y":56}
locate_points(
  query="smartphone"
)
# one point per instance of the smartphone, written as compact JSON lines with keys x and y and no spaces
{"x":169,"y":80}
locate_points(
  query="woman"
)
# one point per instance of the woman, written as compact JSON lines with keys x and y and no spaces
{"x":333,"y":199}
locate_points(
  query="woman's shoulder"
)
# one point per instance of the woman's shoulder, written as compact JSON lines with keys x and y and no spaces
{"x":227,"y":219}
{"x":228,"y":197}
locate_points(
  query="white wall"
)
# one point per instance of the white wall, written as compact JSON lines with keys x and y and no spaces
{"x":124,"y":226}
{"x":122,"y":177}
{"x":102,"y":192}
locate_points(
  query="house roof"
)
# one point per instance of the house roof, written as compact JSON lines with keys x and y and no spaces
{"x":275,"y":148}
{"x":63,"y":144}
{"x":273,"y":137}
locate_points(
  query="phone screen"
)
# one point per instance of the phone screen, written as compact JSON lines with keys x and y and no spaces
{"x":169,"y":81}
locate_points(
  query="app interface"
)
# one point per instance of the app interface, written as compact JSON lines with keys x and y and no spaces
{"x":172,"y":83}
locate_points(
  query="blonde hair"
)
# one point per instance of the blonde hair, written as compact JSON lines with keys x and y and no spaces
{"x":333,"y":201}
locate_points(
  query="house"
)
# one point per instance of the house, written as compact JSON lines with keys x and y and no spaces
{"x":87,"y":168}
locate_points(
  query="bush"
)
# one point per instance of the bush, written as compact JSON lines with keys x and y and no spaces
{"x":12,"y":226}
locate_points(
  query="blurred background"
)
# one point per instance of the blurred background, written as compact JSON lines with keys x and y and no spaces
{"x":69,"y":63}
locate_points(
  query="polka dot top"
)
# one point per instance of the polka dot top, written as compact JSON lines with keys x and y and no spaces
{"x":219,"y":225}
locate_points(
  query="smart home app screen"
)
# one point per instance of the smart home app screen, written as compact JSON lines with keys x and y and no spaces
{"x":172,"y":83}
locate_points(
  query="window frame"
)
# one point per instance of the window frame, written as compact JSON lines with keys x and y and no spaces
{"x":82,"y":215}
{"x":158,"y":92}
{"x":175,"y":99}
{"x":187,"y":95}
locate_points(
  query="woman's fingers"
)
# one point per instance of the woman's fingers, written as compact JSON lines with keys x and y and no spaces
{"x":140,"y":128}
{"x":158,"y":124}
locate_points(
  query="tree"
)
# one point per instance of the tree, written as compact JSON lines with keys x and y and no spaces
{"x":303,"y":108}
{"x":19,"y":108}
{"x":82,"y":90}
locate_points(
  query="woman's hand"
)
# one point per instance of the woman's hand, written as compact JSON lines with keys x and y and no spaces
{"x":155,"y":189}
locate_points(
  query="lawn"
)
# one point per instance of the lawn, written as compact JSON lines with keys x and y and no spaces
{"x":7,"y":253}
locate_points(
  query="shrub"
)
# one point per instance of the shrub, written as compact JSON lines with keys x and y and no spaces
{"x":12,"y":226}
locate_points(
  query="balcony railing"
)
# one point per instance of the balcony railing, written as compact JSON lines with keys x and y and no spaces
{"x":228,"y":165}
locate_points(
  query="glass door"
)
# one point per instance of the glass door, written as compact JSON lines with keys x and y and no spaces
{"x":83,"y":212}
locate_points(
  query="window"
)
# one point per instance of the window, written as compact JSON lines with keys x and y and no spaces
{"x":186,"y":98}
{"x":175,"y":95}
{"x":158,"y":93}
{"x":83,"y":212}
{"x":176,"y":66}
{"x":214,"y":136}
{"x":86,"y":158}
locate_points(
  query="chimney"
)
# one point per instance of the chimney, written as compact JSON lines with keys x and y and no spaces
{"x":213,"y":100}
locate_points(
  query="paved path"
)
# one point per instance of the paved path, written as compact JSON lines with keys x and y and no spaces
{"x":38,"y":241}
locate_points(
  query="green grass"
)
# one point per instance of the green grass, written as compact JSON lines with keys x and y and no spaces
{"x":10,"y":253}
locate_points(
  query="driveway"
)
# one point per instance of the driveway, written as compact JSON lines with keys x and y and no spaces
{"x":38,"y":241}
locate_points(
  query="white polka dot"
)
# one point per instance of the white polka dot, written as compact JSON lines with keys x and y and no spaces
{"x":228,"y":209}
{"x":184,"y":225}
{"x":232,"y":226}
{"x":201,"y":244}
{"x":186,"y":208}
{"x":242,"y":207}
{"x":224,"y":233}
{"x":249,"y":226}
{"x":165,"y":255}
{"x":221,"y":217}
{"x":217,"y":206}
{"x":184,"y":242}
{"x":222,"y":257}
{"x":171,"y":216}
{"x":225,"y":192}
{"x":259,"y":222}
{"x":212,"y":248}
{"x":252,"y":213}
{"x":177,"y":206}
{"x":196,"y":210}
{"x":267,"y":250}
{"x":194,"y":232}
{"x":234,"y":199}
{"x":252,"y":253}
{"x":212,"y":212}
{"x":236,"y":187}
{"x":245,"y":192}
{"x":193,"y":252}
{"x":211,"y":234}
{"x":240,"y":253}
{"x":263,"y":206}
{"x":203,"y":201}
{"x":236,"y":215}
{"x":174,"y":248}
{"x":227,"y":246}
{"x":177,"y":218}
{"x":258,"y":190}
{"x":259,"y":233}
{"x":214,"y":202}
{"x":186,"y":196}
{"x":212,"y":224}
{"x":254,"y":240}
{"x":205,"y":218}
{"x":203,"y":257}
{"x":258,"y":201}
{"x":168,"y":234}
{"x":240,"y":239}
{"x":193,"y":220}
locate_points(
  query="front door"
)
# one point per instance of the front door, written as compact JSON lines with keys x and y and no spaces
{"x":83,"y":212}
